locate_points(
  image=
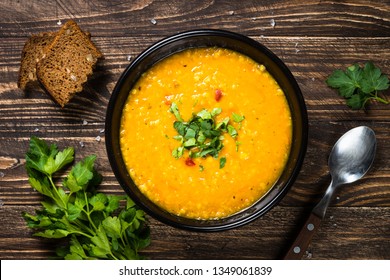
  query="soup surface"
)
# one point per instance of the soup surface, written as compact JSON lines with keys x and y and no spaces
{"x":255,"y":147}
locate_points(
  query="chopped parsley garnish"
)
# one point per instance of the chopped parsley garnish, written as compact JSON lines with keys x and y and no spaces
{"x":237,"y":118}
{"x":222,"y":162}
{"x":359,"y":85}
{"x":202,"y":135}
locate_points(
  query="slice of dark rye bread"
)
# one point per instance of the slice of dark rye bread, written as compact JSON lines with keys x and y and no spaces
{"x":67,"y":63}
{"x":32,"y":52}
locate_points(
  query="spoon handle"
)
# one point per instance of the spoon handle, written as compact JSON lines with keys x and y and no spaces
{"x":302,"y":241}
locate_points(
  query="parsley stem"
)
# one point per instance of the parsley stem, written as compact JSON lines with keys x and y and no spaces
{"x":81,"y":233}
{"x":126,"y":241}
{"x":380,"y":99}
{"x":113,"y":256}
{"x":88,"y":212}
{"x":84,"y":229}
{"x":123,"y":241}
{"x":60,"y":202}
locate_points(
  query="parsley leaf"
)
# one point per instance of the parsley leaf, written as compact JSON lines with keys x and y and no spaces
{"x":76,"y":210}
{"x":237,"y":118}
{"x":222,"y":162}
{"x":45,"y":159}
{"x":175,"y":110}
{"x":359,"y":85}
{"x":373,"y":80}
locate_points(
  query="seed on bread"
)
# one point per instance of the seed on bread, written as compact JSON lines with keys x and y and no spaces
{"x":68,"y":62}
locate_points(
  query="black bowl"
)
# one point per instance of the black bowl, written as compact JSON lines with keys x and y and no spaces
{"x":208,"y":38}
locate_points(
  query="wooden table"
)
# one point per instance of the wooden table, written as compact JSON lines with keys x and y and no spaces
{"x":312,"y":37}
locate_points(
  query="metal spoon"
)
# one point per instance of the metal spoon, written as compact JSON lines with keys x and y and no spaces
{"x":350,"y":159}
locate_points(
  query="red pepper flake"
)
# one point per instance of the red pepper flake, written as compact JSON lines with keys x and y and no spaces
{"x":190,"y":162}
{"x":168,"y":100}
{"x":218,"y":95}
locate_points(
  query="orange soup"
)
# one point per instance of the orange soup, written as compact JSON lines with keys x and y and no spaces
{"x":248,"y":118}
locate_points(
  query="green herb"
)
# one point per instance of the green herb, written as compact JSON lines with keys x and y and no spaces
{"x":202,"y":136}
{"x":76,"y":210}
{"x":237,"y":118}
{"x":222,"y":162}
{"x":359,"y":85}
{"x":237,"y":145}
{"x":175,"y":110}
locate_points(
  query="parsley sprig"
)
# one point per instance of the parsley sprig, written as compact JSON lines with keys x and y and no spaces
{"x":359,"y":85}
{"x":95,"y":223}
{"x":202,"y":135}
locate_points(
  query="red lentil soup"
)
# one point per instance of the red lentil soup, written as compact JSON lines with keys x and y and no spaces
{"x":253,"y":157}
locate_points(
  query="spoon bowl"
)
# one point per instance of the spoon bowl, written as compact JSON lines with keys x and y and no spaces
{"x":350,"y":159}
{"x":352,"y":155}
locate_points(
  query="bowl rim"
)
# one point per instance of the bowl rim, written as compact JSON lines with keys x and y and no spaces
{"x":181,"y":222}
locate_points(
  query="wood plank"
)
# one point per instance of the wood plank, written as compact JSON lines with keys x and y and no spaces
{"x":120,"y":18}
{"x":354,"y":231}
{"x":309,"y":60}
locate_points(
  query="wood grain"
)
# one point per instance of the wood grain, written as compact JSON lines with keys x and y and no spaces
{"x":312,"y":37}
{"x":339,"y":237}
{"x":123,"y":18}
